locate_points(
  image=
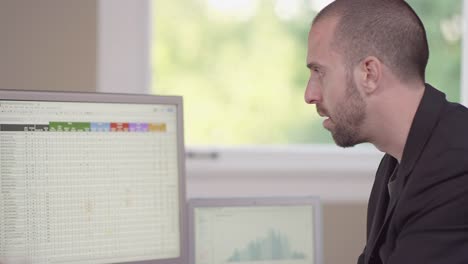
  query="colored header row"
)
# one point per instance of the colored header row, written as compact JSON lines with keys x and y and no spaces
{"x":87,"y":127}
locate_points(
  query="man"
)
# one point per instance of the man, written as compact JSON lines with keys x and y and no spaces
{"x":367,"y":62}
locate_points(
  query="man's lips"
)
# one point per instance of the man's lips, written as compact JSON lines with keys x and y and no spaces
{"x":321,"y":111}
{"x":327,"y":122}
{"x":322,"y":114}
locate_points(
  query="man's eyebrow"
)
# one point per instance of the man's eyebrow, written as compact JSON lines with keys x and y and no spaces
{"x":314,"y":65}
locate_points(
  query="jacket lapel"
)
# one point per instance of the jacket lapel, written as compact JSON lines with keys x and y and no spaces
{"x":382,"y":203}
{"x":426,"y":118}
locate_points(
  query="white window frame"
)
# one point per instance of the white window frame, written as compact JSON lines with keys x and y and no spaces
{"x":124,"y":48}
{"x":464,"y":66}
{"x":124,"y":35}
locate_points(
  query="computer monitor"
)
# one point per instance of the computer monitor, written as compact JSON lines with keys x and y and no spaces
{"x":280,"y":230}
{"x":91,"y":178}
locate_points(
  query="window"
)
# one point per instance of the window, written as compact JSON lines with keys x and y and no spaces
{"x":240,"y":65}
{"x":124,"y":44}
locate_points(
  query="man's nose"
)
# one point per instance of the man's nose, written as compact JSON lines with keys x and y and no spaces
{"x":312,"y":93}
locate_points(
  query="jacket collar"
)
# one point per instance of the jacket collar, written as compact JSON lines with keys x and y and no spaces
{"x":426,"y":118}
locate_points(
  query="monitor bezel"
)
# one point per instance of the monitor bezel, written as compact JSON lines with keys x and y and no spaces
{"x":208,"y":202}
{"x":123,"y":98}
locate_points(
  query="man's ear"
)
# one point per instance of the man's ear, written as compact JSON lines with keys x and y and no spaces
{"x":369,"y":74}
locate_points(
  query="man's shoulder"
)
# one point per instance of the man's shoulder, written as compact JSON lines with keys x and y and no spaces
{"x":456,"y":111}
{"x":452,"y":128}
{"x":442,"y":168}
{"x":446,"y":151}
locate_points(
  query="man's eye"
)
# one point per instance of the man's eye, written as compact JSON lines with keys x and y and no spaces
{"x":317,"y":71}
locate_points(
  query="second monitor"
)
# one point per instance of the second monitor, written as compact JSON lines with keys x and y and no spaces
{"x":255,"y":230}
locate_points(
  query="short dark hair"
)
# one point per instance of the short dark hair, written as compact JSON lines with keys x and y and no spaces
{"x":387,"y":29}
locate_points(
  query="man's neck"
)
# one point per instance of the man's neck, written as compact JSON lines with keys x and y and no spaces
{"x":394,"y":118}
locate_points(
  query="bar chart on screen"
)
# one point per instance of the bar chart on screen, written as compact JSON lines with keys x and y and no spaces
{"x":254,"y":235}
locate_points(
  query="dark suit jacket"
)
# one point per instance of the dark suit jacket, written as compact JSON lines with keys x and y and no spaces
{"x":426,"y":221}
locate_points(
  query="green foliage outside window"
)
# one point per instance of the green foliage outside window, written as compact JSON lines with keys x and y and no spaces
{"x":240,"y":65}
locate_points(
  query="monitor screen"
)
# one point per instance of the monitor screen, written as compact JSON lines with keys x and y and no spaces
{"x":255,"y":230}
{"x":91,"y":178}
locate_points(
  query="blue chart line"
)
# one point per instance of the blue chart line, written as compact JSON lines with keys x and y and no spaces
{"x":275,"y":246}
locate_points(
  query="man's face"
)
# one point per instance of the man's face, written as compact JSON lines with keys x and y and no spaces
{"x":332,"y":87}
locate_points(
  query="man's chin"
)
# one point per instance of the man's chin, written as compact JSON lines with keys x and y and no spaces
{"x":345,"y":140}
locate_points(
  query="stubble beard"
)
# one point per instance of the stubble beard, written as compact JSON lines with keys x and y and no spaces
{"x":348,"y":117}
